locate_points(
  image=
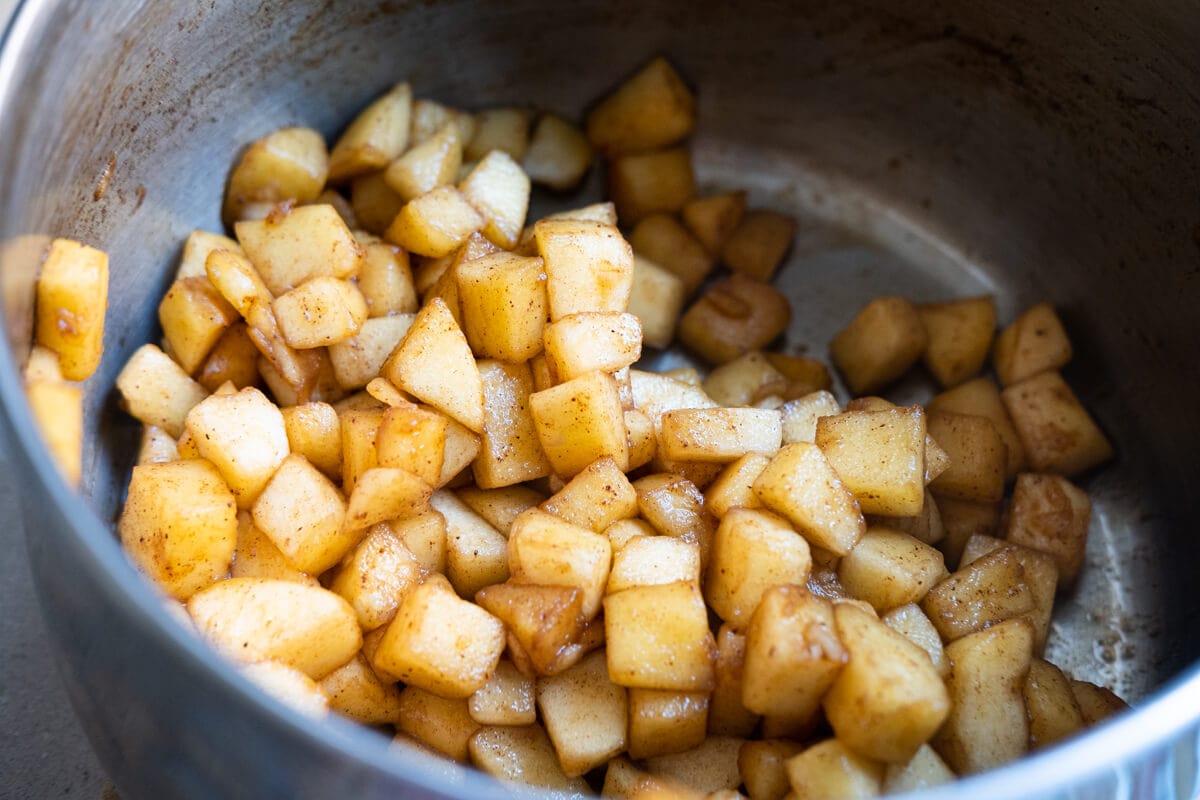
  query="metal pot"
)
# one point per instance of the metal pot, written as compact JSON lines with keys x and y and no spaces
{"x":1036,"y":151}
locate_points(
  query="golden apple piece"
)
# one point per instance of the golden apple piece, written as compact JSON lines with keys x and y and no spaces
{"x":831,"y":769}
{"x":793,"y":653}
{"x":656,"y":298}
{"x":753,"y":551}
{"x":714,"y":218}
{"x":499,"y":190}
{"x":800,"y":484}
{"x":476,"y":553}
{"x":510,"y":452}
{"x":758,"y":245}
{"x":735,"y":315}
{"x":304,"y":514}
{"x":72,"y":298}
{"x":443,"y":724}
{"x":179,"y":525}
{"x":504,"y":130}
{"x":504,"y":305}
{"x":356,"y":692}
{"x":960,"y":337}
{"x":1056,"y":431}
{"x":653,"y":108}
{"x":435,"y":223}
{"x":558,"y":155}
{"x":57,"y":409}
{"x":580,"y":421}
{"x":294,"y":245}
{"x":658,"y":638}
{"x":441,"y":643}
{"x":427,"y":165}
{"x":585,"y":714}
{"x":987,"y":725}
{"x":645,"y":183}
{"x":194,"y":316}
{"x":288,"y":164}
{"x":880,"y":457}
{"x":523,"y":755}
{"x":320,"y":312}
{"x":245,"y":438}
{"x":883,"y":340}
{"x":1035,"y":342}
{"x":434,"y":362}
{"x":377,"y":136}
{"x":596,"y":497}
{"x":589,"y":266}
{"x":307,"y":628}
{"x":888,"y":700}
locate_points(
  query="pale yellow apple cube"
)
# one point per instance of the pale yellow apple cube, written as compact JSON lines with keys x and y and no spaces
{"x":801,"y":485}
{"x":194,"y":316}
{"x":653,"y":561}
{"x":653,"y":108}
{"x":719,"y":435}
{"x":434,"y":363}
{"x":1035,"y":342}
{"x":58,"y":411}
{"x":303,"y":513}
{"x":589,"y":266}
{"x":499,"y":190}
{"x":435,"y":223}
{"x":960,"y":336}
{"x":504,"y":306}
{"x":72,"y":298}
{"x":880,"y":457}
{"x":304,"y":627}
{"x":558,"y":155}
{"x":592,"y":341}
{"x":658,"y":638}
{"x":546,"y":550}
{"x":1055,"y":429}
{"x":793,"y":653}
{"x":580,"y":421}
{"x":287,"y":164}
{"x":510,"y":452}
{"x":585,"y":714}
{"x":888,"y":568}
{"x":664,"y":240}
{"x":597,"y":497}
{"x":830,"y":769}
{"x":305,"y":242}
{"x":656,"y":298}
{"x":320,"y":312}
{"x":888,"y":700}
{"x":427,"y":165}
{"x":377,"y":135}
{"x":714,"y":218}
{"x":179,"y":525}
{"x":441,"y":643}
{"x":883,"y":340}
{"x":752,"y":552}
{"x":360,"y":358}
{"x":376,"y":576}
{"x":245,"y":438}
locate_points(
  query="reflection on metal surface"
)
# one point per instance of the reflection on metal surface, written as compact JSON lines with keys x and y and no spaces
{"x":1037,"y":151}
{"x":20,"y":258}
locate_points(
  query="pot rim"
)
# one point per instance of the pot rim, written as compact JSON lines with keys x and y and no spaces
{"x":1140,"y":739}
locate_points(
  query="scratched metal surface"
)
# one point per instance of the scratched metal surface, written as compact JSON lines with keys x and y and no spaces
{"x":43,"y":751}
{"x":931,"y":149}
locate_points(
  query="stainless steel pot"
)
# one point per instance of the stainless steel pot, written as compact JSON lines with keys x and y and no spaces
{"x":1031,"y":150}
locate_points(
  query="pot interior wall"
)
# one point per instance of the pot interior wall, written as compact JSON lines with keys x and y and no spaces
{"x":1035,"y":153}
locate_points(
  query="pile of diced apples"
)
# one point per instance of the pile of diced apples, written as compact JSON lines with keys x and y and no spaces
{"x":398,"y":463}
